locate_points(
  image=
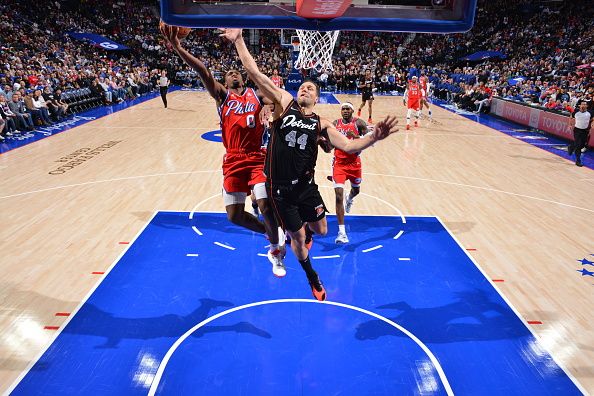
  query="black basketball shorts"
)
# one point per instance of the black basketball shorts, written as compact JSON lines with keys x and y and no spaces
{"x":296,"y":204}
{"x":365,"y":96}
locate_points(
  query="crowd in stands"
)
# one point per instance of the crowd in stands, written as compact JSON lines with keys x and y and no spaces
{"x":39,"y":60}
{"x":44,"y":72}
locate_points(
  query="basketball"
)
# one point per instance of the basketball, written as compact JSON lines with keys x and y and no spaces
{"x":182,"y":32}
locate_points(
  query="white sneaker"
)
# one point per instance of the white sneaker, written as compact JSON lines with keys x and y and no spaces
{"x":348,"y":203}
{"x":342,"y":238}
{"x":278,"y":267}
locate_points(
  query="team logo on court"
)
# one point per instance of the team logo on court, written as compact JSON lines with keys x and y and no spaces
{"x":213,"y":136}
{"x":80,"y":156}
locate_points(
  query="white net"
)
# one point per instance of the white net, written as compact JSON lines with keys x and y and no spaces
{"x":315,"y":49}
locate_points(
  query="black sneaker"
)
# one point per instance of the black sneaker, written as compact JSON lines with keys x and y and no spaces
{"x":317,"y":289}
{"x":579,"y":163}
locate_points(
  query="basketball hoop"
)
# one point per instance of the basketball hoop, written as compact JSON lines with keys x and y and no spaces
{"x":315,"y":49}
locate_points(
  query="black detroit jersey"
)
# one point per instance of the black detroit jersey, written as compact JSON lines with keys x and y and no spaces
{"x":293,"y":147}
{"x":367,"y":89}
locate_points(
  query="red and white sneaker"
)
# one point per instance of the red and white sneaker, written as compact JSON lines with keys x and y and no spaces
{"x":278,"y":266}
{"x":407,"y":127}
{"x":416,"y":124}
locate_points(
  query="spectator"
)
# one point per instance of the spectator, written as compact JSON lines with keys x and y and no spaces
{"x":24,"y":119}
{"x":41,"y":105}
{"x":56,"y":110}
{"x":39,"y":117}
{"x":8,"y":116}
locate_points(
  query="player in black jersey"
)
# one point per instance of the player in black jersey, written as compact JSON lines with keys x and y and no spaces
{"x":291,"y":157}
{"x":366,"y":87}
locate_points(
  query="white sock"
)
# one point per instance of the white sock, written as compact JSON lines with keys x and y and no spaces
{"x":341,"y":229}
{"x":273,"y":247}
{"x":282,"y":236}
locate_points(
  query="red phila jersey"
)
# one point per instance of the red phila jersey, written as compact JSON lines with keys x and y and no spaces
{"x":414,"y":92}
{"x":277,"y":80}
{"x":349,"y":130}
{"x":423,"y":81}
{"x":240,"y":122}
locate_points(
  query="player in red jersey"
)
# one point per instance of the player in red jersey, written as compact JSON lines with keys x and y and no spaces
{"x":243,"y":164}
{"x":424,"y":82}
{"x":412,"y":98}
{"x":292,"y":154}
{"x":277,"y":80}
{"x":346,"y":166}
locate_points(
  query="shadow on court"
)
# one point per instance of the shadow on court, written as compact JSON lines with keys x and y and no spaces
{"x":473,"y":317}
{"x":92,"y":321}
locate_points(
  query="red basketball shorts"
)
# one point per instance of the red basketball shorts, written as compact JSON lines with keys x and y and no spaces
{"x":351,"y":171}
{"x":414,"y":104}
{"x":241,"y":171}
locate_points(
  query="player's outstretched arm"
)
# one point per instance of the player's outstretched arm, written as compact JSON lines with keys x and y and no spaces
{"x":382,"y":130}
{"x":265,"y":84}
{"x":214,"y":88}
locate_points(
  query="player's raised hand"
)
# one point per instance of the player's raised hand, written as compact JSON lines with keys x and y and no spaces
{"x":385,"y":128}
{"x":231,"y":34}
{"x":170,"y":33}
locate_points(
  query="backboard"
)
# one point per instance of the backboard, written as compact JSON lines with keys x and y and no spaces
{"x":430,"y":16}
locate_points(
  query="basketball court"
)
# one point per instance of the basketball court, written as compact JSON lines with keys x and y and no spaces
{"x":469,"y":271}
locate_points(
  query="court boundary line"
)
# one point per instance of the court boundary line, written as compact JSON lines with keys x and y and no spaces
{"x":323,"y":170}
{"x":513,"y":308}
{"x":398,"y":211}
{"x":191,"y":215}
{"x":108,"y":180}
{"x":479,"y":188}
{"x":354,"y":215}
{"x":180,"y":340}
{"x":73,"y":313}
